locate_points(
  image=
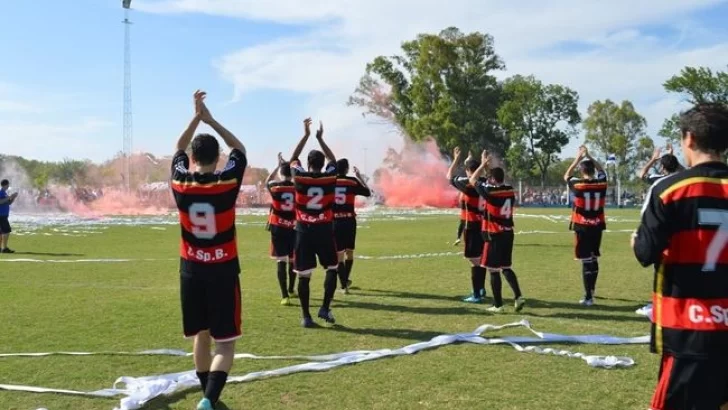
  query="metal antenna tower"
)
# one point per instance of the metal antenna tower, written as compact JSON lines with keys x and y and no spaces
{"x":127,"y":133}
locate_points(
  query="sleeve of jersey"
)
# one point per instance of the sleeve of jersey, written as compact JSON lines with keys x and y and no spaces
{"x":482,"y":189}
{"x":571,"y":182}
{"x":460,"y":183}
{"x":362,"y":190}
{"x":180,"y":164}
{"x":652,"y":234}
{"x":296,"y":167}
{"x":235,"y":167}
{"x":602,"y":176}
{"x":331,"y":168}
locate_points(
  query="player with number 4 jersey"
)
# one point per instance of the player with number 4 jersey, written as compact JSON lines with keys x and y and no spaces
{"x":587,"y":217}
{"x":345,"y":193}
{"x":497,"y":226}
{"x":684,"y":233}
{"x":209,"y":266}
{"x":315,"y":188}
{"x":281,"y":224}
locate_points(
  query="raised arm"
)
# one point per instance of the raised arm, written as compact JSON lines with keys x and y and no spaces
{"x":484,"y":162}
{"x":570,"y":170}
{"x":367,"y":191}
{"x":455,"y":160}
{"x":302,"y":143}
{"x":324,"y":147}
{"x":230,"y":140}
{"x":650,"y":164}
{"x":597,"y":166}
{"x":184,"y":140}
{"x":274,"y":173}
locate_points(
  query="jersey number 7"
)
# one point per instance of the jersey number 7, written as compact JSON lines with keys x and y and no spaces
{"x":714,"y":217}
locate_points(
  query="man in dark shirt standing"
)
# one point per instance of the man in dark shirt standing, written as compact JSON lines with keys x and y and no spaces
{"x":209,"y":266}
{"x":684,"y":232}
{"x":314,"y":222}
{"x":5,"y":202}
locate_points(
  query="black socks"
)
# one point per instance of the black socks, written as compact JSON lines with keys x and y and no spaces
{"x":216,"y":382}
{"x":203,"y":376}
{"x":341,"y":270}
{"x":303,"y":295}
{"x":329,"y":288}
{"x":588,"y":278}
{"x":291,"y":278}
{"x":475,"y":280}
{"x":282,"y":279}
{"x":512,"y":282}
{"x":497,"y":286}
{"x":349,"y":264}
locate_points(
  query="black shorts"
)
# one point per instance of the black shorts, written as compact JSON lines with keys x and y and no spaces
{"x":587,"y":244}
{"x":282,"y":243}
{"x":4,"y":225}
{"x":473,"y":243}
{"x":211,"y":302}
{"x":311,"y":244}
{"x":690,"y":384}
{"x":345,"y":234}
{"x":498,"y":251}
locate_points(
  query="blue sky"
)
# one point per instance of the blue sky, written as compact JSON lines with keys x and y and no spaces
{"x":267,"y":65}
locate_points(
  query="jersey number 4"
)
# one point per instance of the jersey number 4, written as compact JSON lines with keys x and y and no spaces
{"x":506,"y":210}
{"x":202,"y":219}
{"x":715,"y":217}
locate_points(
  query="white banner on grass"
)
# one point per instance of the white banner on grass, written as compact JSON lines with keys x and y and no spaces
{"x":140,"y":390}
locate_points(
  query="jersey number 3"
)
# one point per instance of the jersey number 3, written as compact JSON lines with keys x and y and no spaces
{"x":715,"y":217}
{"x":202,"y":219}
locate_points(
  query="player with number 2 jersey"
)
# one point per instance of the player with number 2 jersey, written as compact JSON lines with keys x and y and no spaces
{"x":209,"y":266}
{"x":587,"y":217}
{"x":281,"y":224}
{"x":315,"y":188}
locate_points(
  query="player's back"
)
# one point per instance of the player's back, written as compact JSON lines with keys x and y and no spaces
{"x":589,"y":196}
{"x":691,"y":285}
{"x":314,"y":197}
{"x":206,"y":205}
{"x":500,"y":201}
{"x":472,"y":205}
{"x":345,"y":193}
{"x":282,"y":208}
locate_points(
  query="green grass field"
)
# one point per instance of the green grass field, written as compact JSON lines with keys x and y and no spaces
{"x":131,"y":306}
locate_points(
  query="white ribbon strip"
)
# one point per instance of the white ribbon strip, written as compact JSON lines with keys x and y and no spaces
{"x":140,"y":390}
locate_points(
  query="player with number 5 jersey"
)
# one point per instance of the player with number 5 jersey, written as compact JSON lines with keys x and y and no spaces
{"x":209,"y":266}
{"x":588,"y":222}
{"x":281,"y":224}
{"x":315,"y":190}
{"x":684,"y":233}
{"x":497,"y":254}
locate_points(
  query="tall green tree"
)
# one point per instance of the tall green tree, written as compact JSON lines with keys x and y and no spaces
{"x":540,"y":118}
{"x":620,"y":130}
{"x":441,"y":86}
{"x":697,"y":85}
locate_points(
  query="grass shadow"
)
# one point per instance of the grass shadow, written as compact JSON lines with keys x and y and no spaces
{"x":544,"y":245}
{"x":423,"y":310}
{"x":164,"y":402}
{"x":593,"y":317}
{"x":46,"y":254}
{"x":551,"y":304}
{"x":407,"y":334}
{"x":408,"y":295}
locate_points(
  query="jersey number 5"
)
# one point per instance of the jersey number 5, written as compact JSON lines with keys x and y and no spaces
{"x":340,"y":195}
{"x":315,"y":194}
{"x":202,"y":219}
{"x":714,"y":217}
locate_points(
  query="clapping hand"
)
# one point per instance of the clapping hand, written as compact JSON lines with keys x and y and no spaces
{"x":320,"y":131}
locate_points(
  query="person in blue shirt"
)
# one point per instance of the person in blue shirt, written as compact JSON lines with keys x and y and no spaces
{"x":5,"y":202}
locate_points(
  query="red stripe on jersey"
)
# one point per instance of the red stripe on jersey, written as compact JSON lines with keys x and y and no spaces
{"x":693,"y":247}
{"x":590,"y":186}
{"x":692,"y":314}
{"x":582,"y":220}
{"x":315,"y":181}
{"x":223,"y":222}
{"x":320,"y":218}
{"x":214,"y":188}
{"x":696,"y":187}
{"x":590,"y":203}
{"x":494,"y":227}
{"x":213,"y":254}
{"x":306,"y":200}
{"x":276,"y":220}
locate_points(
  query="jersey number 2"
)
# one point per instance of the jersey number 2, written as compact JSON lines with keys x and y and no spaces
{"x":202,"y":219}
{"x":714,"y":217}
{"x":315,"y":194}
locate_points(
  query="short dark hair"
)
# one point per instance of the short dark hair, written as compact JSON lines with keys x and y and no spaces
{"x":316,"y":160}
{"x":285,"y":169}
{"x":708,"y":124}
{"x":4,"y":182}
{"x":498,"y":174}
{"x":205,"y":149}
{"x":587,"y":167}
{"x":472,"y":165}
{"x":669,"y":163}
{"x":342,"y":167}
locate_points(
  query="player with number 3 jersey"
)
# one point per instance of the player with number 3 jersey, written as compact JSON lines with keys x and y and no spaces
{"x":587,"y":217}
{"x":209,"y":266}
{"x":315,"y":188}
{"x":281,"y":224}
{"x":497,"y":254}
{"x":684,"y":233}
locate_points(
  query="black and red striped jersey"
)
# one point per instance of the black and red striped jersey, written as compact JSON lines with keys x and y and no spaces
{"x":473,"y":205}
{"x":345,"y":193}
{"x":589,"y":199}
{"x":206,"y":205}
{"x":500,"y":201}
{"x":684,"y":232}
{"x":461,"y":203}
{"x":314,"y":195}
{"x":282,"y":213}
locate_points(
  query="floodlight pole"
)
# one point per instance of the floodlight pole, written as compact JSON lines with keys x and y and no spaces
{"x":127,"y":122}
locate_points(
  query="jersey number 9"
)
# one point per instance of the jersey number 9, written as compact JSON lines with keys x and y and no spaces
{"x":202,"y":219}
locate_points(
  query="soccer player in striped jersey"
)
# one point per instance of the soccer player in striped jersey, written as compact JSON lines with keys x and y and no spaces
{"x":209,"y":266}
{"x":281,"y":224}
{"x":474,"y":207}
{"x":346,"y":191}
{"x":587,"y":217}
{"x":314,"y":222}
{"x":684,"y":231}
{"x":668,"y":164}
{"x":463,"y":211}
{"x":497,"y":254}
